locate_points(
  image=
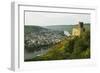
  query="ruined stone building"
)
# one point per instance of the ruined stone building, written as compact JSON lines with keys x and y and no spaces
{"x":78,"y":29}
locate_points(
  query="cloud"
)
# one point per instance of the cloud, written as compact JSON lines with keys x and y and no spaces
{"x":46,"y":19}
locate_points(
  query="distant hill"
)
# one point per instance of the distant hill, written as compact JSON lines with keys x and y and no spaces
{"x":61,"y":27}
{"x":65,"y":27}
{"x":30,"y":28}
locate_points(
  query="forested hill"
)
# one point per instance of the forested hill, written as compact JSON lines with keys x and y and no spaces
{"x":65,"y":27}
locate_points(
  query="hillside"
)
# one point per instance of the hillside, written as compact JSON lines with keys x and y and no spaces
{"x":68,"y":48}
{"x":52,"y":44}
{"x":37,"y":38}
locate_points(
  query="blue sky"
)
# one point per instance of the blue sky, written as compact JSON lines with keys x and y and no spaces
{"x":47,"y":19}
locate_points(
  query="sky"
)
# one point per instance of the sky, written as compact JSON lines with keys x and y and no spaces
{"x":48,"y":19}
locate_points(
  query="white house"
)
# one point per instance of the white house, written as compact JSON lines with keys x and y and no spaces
{"x":66,"y":33}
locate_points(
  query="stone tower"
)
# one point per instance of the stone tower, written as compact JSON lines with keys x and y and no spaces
{"x":76,"y":31}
